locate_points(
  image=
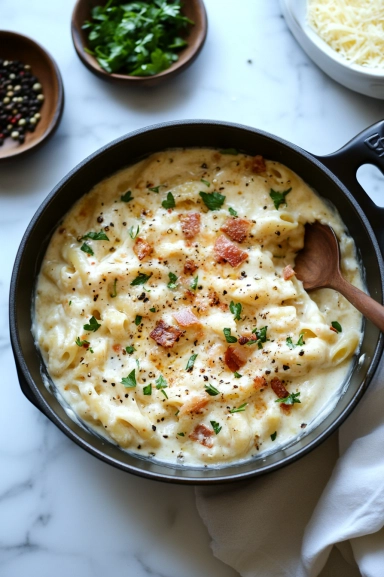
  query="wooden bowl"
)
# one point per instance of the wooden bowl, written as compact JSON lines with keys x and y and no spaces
{"x":18,"y":47}
{"x":196,"y":35}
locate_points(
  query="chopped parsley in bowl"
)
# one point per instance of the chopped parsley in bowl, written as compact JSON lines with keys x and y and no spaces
{"x":138,"y":40}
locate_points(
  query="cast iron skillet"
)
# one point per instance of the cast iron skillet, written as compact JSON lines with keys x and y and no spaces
{"x":333,"y":176}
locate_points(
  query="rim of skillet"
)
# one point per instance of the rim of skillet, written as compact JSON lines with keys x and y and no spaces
{"x":191,"y":480}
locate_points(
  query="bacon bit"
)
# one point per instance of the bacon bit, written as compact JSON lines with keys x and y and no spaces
{"x":165,"y":335}
{"x":190,"y":224}
{"x":202,"y":435}
{"x":333,"y":329}
{"x":288,"y":272}
{"x":185,"y":317}
{"x":260,"y":383}
{"x":194,"y":404}
{"x":190,"y":266}
{"x":235,"y":358}
{"x":258,"y":164}
{"x":227,"y":251}
{"x":141,"y":248}
{"x":117,"y":348}
{"x":236,"y":228}
{"x":278,"y":388}
{"x":242,"y":340}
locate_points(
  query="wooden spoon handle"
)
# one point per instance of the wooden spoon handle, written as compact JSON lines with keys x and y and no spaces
{"x":370,"y":308}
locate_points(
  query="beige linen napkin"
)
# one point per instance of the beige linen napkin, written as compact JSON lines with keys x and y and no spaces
{"x":285,"y":524}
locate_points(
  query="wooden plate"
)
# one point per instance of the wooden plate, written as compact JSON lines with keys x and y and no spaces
{"x":18,"y":47}
{"x":196,"y":35}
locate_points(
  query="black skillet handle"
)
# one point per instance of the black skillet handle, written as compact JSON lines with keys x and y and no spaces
{"x":366,"y":148}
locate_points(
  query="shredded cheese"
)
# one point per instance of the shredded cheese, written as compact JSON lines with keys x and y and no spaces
{"x":353,"y":28}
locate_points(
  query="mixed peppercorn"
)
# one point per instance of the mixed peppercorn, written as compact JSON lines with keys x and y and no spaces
{"x":21,"y":98}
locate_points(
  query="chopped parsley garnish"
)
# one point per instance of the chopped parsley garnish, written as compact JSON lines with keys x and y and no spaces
{"x":273,"y":436}
{"x":155,"y":189}
{"x":69,"y":304}
{"x":191,"y":362}
{"x":181,"y":434}
{"x":194,"y":283}
{"x":239,"y":409}
{"x":141,"y":279}
{"x":131,"y":349}
{"x":127,"y":197}
{"x":237,"y":375}
{"x":137,"y":363}
{"x":289,"y":342}
{"x":279,"y":197}
{"x":132,"y":234}
{"x":301,"y":340}
{"x":212,"y":200}
{"x":136,"y":38}
{"x":177,"y":412}
{"x":299,"y":343}
{"x":95,"y":236}
{"x":170,"y":202}
{"x":161,"y":384}
{"x":232,"y":211}
{"x":216,"y":427}
{"x":261,"y":335}
{"x":130,"y":381}
{"x":228,"y":337}
{"x":172,"y":281}
{"x":86,"y":248}
{"x":138,"y":320}
{"x":92,"y":325}
{"x":114,"y":293}
{"x":81,"y":343}
{"x":147,"y":390}
{"x":290,"y":400}
{"x":152,"y":310}
{"x":236,"y":309}
{"x":337,"y":326}
{"x":229,"y":151}
{"x":205,"y":182}
{"x":211,"y":390}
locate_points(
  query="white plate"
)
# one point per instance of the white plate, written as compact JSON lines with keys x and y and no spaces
{"x":365,"y":80}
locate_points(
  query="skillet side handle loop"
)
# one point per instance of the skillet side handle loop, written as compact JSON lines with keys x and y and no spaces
{"x":366,"y":148}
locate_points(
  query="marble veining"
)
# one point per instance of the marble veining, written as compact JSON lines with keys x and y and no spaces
{"x":62,"y":512}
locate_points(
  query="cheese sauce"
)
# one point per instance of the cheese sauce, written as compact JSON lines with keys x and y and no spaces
{"x":170,"y":319}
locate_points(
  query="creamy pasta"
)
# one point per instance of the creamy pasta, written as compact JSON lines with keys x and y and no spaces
{"x":169,"y":316}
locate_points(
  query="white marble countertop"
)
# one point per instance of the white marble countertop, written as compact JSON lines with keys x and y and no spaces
{"x":62,"y":512}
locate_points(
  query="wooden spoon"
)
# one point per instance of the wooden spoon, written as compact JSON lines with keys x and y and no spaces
{"x":318,"y":266}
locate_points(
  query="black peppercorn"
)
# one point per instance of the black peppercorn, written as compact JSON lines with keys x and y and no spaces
{"x":21,"y":98}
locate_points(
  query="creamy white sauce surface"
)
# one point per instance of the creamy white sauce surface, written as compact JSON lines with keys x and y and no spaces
{"x":94,"y":322}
